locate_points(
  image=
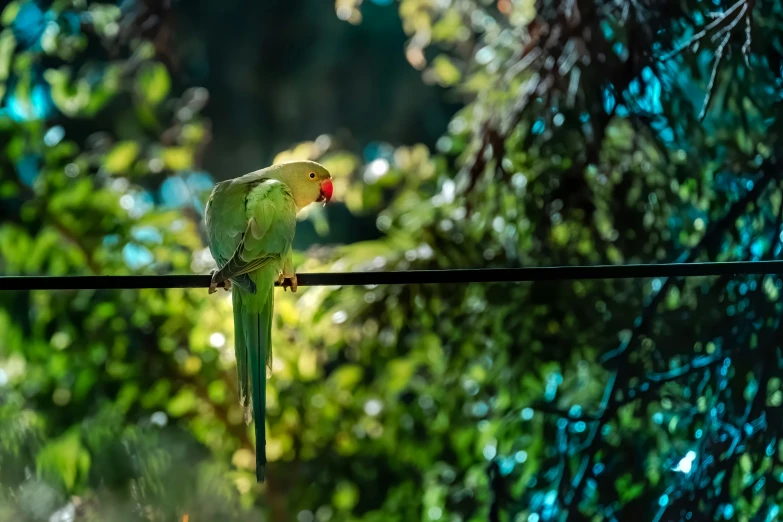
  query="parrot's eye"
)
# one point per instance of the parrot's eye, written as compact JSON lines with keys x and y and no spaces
{"x":312,"y":175}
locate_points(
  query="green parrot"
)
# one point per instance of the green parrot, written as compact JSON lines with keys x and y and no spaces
{"x":250,"y":224}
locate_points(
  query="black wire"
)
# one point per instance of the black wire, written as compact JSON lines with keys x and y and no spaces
{"x":409,"y":277}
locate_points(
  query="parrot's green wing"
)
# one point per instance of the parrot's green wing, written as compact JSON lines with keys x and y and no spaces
{"x":226,"y":220}
{"x":250,"y":228}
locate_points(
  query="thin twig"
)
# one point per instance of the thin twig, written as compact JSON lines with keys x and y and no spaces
{"x":715,"y":24}
{"x":711,"y":83}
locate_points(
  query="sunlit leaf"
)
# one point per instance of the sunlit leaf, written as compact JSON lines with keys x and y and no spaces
{"x":121,"y":157}
{"x":154,"y":82}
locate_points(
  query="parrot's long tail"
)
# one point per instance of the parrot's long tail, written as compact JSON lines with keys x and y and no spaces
{"x":241,"y":354}
{"x":256,"y":311}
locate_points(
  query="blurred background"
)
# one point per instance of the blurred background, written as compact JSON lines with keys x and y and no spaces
{"x":471,"y":133}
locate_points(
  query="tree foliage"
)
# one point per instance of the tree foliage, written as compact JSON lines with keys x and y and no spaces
{"x":592,"y":133}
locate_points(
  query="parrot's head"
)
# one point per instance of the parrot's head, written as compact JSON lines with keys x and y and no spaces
{"x":309,"y":182}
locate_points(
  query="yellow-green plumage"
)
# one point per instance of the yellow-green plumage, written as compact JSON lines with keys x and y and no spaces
{"x":250,"y":223}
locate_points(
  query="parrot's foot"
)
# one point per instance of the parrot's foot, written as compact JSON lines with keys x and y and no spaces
{"x":288,"y":280}
{"x":213,"y":284}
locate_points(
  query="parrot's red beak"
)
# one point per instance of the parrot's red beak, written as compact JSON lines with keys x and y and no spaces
{"x":326,"y":191}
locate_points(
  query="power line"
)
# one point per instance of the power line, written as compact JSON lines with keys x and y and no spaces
{"x":410,"y":277}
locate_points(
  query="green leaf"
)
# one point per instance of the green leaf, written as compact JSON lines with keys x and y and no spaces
{"x":445,"y":70}
{"x":153,"y":82}
{"x":157,"y":394}
{"x":177,"y":158}
{"x":182,"y":403}
{"x":127,"y":396}
{"x":400,"y":372}
{"x":346,"y":496}
{"x":627,"y":489}
{"x":121,"y":157}
{"x":7,"y":46}
{"x":347,"y":376}
{"x":65,"y":458}
{"x":9,"y":13}
{"x":449,"y":28}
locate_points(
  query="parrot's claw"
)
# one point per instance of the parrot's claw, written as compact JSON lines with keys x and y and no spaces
{"x":213,"y":283}
{"x":287,"y":281}
{"x":227,"y":285}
